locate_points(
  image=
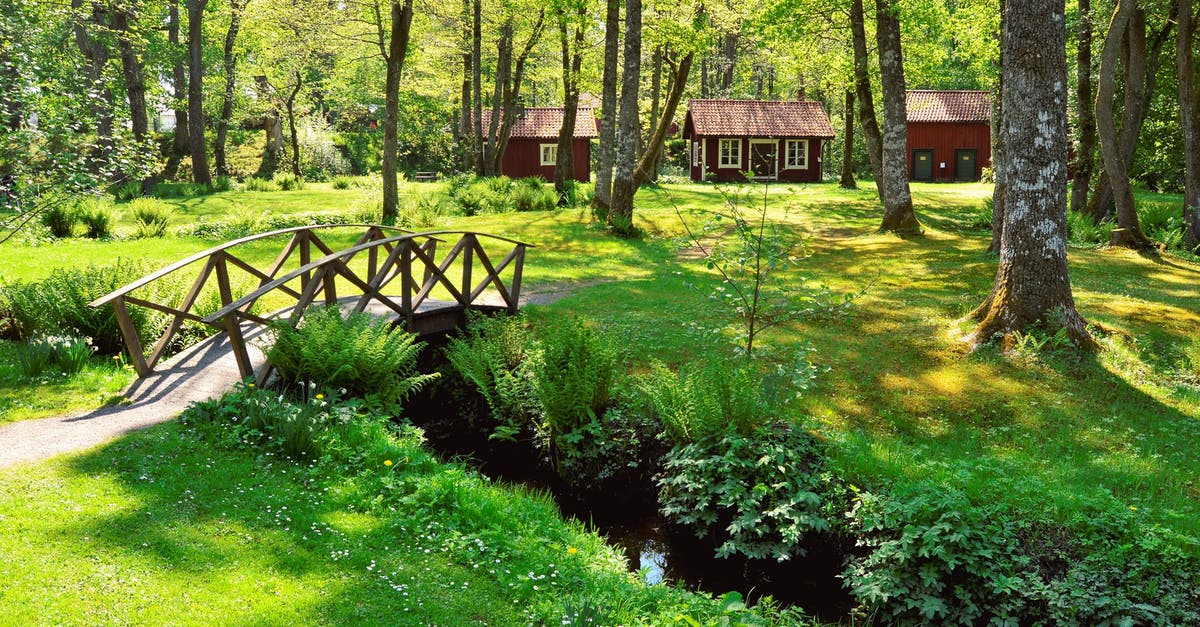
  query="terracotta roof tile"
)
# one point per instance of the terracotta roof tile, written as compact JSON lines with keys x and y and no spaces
{"x":934,"y":105}
{"x":545,"y":122}
{"x":758,"y":118}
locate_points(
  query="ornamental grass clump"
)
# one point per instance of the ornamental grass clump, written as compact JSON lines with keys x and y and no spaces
{"x":365,"y":356}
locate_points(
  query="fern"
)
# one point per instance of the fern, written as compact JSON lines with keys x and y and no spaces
{"x":363,"y":355}
{"x":575,"y":377}
{"x":497,"y":357}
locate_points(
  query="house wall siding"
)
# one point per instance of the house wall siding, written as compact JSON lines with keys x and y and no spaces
{"x":523,"y":158}
{"x":946,"y":137}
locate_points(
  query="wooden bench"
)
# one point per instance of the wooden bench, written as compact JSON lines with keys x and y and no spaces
{"x":425,"y":176}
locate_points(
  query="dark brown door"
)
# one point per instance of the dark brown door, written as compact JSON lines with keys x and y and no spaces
{"x":764,"y":159}
{"x":964,"y":165}
{"x":922,"y":165}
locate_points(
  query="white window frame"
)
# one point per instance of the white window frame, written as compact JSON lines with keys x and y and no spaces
{"x":788,"y":162}
{"x":553,"y":154}
{"x":695,"y":153}
{"x":722,"y":162}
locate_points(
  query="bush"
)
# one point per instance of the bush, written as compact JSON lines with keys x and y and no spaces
{"x":255,"y":184}
{"x":498,"y":184}
{"x":343,"y":182}
{"x":707,"y":400}
{"x":223,"y":184}
{"x":365,"y":356}
{"x":127,"y":191}
{"x":533,"y":194}
{"x":422,"y":212}
{"x":58,"y":305}
{"x":575,"y":378}
{"x":288,"y":182}
{"x":471,"y":200}
{"x":616,"y":453}
{"x":935,"y":557}
{"x":181,"y":190}
{"x":60,"y":219}
{"x":457,"y":183}
{"x":248,"y":416}
{"x":320,"y":156}
{"x":757,"y":495}
{"x":97,"y":217}
{"x":151,"y":216}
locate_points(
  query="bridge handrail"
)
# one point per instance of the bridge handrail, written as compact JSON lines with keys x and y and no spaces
{"x":266,"y":288}
{"x":154,"y":276}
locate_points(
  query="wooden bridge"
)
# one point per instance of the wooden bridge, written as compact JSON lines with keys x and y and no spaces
{"x":386,"y":271}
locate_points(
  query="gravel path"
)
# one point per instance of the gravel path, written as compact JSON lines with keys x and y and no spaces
{"x":201,"y":372}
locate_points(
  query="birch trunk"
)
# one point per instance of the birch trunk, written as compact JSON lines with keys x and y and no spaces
{"x":608,"y":108}
{"x":898,"y":216}
{"x":1189,"y":115}
{"x":620,"y":217}
{"x":866,"y":99}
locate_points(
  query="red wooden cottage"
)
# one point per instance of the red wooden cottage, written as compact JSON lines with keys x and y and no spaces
{"x":776,"y":140}
{"x":533,"y":143}
{"x":949,"y":138}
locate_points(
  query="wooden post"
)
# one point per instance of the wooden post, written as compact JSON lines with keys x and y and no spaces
{"x":305,"y":258}
{"x":132,"y":343}
{"x":514,"y":290}
{"x":468,"y":261}
{"x":406,"y":282}
{"x":237,"y":342}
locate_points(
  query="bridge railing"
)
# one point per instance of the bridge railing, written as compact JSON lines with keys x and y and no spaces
{"x":407,"y":259}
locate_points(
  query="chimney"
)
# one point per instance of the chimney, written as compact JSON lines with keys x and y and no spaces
{"x":800,"y":94}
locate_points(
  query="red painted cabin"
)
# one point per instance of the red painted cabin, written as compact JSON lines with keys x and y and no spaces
{"x":949,"y":138}
{"x":533,"y":144}
{"x":775,"y":140}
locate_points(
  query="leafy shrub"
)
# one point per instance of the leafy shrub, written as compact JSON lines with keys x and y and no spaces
{"x":58,"y":305}
{"x":496,"y":355}
{"x":498,"y":184}
{"x":127,"y":191}
{"x":181,"y":190}
{"x":151,"y":216}
{"x":757,"y":495}
{"x":981,"y":218}
{"x":707,"y":399}
{"x":423,"y":212}
{"x":1082,"y":231}
{"x":60,"y":219}
{"x":532,"y":194}
{"x":343,"y":182}
{"x":363,"y":355}
{"x":97,"y":217}
{"x":223,"y":184}
{"x":247,"y":222}
{"x":255,"y":184}
{"x":320,"y":156}
{"x":248,"y":416}
{"x":934,"y":557}
{"x":288,"y":182}
{"x":616,"y":453}
{"x":457,"y":183}
{"x":574,"y":378}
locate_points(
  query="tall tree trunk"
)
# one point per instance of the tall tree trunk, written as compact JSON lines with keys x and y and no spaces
{"x":230,"y":64}
{"x":135,"y":84}
{"x":1189,"y":116}
{"x":1140,"y":69}
{"x":12,"y":110}
{"x":511,"y":94}
{"x":466,"y":131}
{"x":1124,"y":22}
{"x":1032,"y":285}
{"x":1085,"y":100}
{"x":180,"y":142}
{"x":648,"y":164}
{"x":898,"y":215}
{"x":847,"y":180}
{"x":608,"y":109}
{"x":656,"y":69}
{"x":866,"y":99}
{"x":394,"y":56}
{"x":504,"y":57}
{"x":620,"y":217}
{"x":198,"y":149}
{"x":729,"y":46}
{"x":572,"y":62}
{"x":100,"y":96}
{"x":999,"y":150}
{"x":477,"y":82}
{"x":289,"y":107}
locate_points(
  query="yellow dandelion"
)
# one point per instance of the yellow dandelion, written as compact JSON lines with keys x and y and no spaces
{"x":387,"y":462}
{"x":250,"y":386}
{"x":572,"y":550}
{"x":320,"y":396}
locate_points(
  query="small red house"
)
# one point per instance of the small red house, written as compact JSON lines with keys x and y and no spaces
{"x":949,"y":137}
{"x":776,"y":140}
{"x":533,"y":143}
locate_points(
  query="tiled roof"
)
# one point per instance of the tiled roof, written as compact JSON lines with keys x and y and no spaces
{"x":934,"y":105}
{"x":757,"y":118}
{"x":545,"y":122}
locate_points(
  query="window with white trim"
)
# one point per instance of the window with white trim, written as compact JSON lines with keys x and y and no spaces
{"x":549,"y":154}
{"x":730,"y":153}
{"x":796,"y":154}
{"x":695,"y":153}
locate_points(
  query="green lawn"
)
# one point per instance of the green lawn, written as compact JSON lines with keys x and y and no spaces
{"x":903,"y":402}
